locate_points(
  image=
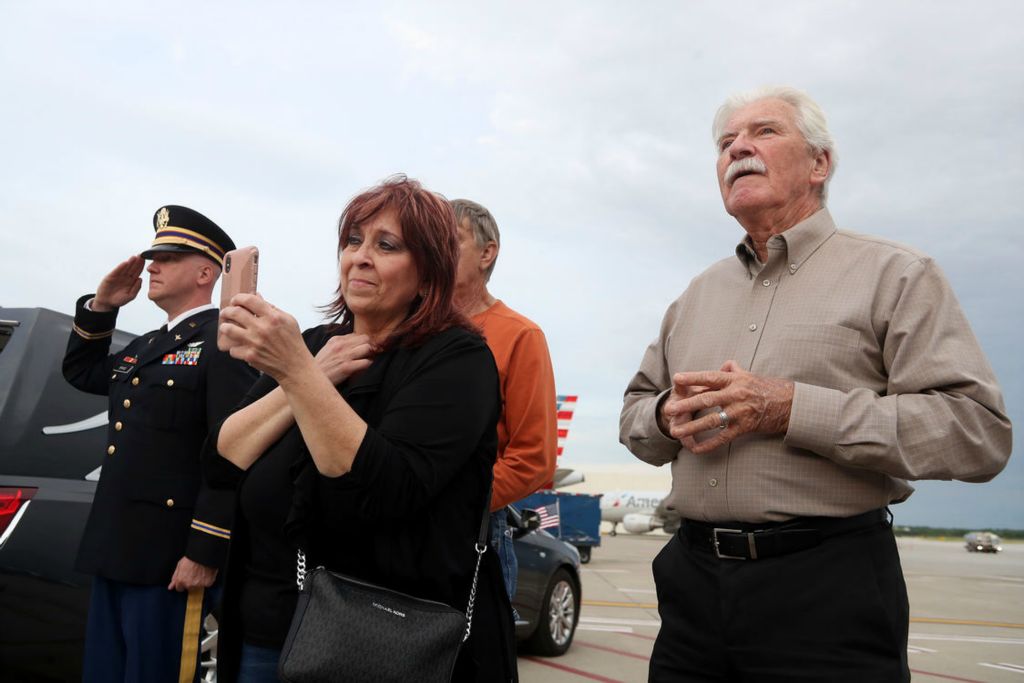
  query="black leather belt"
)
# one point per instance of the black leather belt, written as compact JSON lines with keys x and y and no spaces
{"x":733,"y":541}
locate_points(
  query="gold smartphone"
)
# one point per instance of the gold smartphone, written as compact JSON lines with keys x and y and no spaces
{"x":241,"y":267}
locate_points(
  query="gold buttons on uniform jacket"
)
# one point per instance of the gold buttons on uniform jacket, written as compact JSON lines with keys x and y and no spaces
{"x":135,"y":381}
{"x":170,"y":502}
{"x":170,"y":382}
{"x":127,"y":403}
{"x":118,"y":426}
{"x":110,"y":449}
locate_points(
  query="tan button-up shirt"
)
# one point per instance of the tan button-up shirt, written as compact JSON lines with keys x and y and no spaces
{"x":890,"y":383}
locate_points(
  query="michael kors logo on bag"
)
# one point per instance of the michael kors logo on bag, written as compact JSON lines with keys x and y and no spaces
{"x":389,"y":610}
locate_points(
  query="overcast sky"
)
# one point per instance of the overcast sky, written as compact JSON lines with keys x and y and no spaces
{"x":583,"y":126}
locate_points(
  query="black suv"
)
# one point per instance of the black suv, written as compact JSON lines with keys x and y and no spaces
{"x":51,"y":449}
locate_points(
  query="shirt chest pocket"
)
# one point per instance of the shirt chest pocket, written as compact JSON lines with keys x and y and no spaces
{"x":170,"y":396}
{"x":821,"y":354}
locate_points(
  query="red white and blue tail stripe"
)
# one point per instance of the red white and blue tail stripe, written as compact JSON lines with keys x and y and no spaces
{"x":565,"y":405}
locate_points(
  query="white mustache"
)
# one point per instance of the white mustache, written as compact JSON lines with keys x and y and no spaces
{"x":743,"y":165}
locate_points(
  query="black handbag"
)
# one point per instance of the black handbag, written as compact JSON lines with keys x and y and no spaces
{"x":345,"y":629}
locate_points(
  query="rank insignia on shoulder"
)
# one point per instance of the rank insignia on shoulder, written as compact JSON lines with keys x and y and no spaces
{"x":182,"y":357}
{"x":130,"y":359}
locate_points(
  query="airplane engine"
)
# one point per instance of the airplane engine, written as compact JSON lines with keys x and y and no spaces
{"x":636,"y":523}
{"x":566,"y":477}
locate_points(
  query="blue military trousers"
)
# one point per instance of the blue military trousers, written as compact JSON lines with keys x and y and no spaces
{"x":142,"y":634}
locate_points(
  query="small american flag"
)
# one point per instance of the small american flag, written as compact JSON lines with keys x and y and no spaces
{"x":549,"y":516}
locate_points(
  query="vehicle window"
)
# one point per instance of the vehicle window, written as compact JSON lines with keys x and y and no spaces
{"x":6,"y":330}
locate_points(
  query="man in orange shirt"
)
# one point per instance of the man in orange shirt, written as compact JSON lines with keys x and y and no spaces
{"x":528,"y":429}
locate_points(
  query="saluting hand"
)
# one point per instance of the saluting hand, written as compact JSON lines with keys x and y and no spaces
{"x":189,"y":575}
{"x":120,"y":285}
{"x":750,"y":402}
{"x":345,"y":355}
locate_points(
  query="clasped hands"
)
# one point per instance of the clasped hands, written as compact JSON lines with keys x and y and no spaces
{"x":255,"y":331}
{"x":752,"y":403}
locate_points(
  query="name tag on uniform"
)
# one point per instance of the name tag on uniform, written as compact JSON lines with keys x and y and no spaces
{"x":189,"y":356}
{"x":126,"y":365}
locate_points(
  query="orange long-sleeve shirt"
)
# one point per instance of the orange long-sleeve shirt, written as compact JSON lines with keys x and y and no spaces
{"x":528,"y":429}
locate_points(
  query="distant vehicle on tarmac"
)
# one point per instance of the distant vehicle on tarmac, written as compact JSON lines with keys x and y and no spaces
{"x":638,"y":511}
{"x":983,"y":542}
{"x":572,"y":517}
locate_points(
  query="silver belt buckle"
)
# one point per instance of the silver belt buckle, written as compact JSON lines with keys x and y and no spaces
{"x":718,"y":552}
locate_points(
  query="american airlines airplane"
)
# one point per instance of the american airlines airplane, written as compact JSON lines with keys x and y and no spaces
{"x":638,"y":511}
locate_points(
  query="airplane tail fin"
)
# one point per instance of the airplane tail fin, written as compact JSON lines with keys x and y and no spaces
{"x":565,"y":405}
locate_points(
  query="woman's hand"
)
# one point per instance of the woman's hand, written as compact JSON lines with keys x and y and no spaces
{"x":345,"y":355}
{"x":263,"y":336}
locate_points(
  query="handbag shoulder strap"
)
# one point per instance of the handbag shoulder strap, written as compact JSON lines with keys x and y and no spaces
{"x":481,"y":548}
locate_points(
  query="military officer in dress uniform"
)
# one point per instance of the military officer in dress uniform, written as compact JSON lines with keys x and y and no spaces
{"x":155,"y":535}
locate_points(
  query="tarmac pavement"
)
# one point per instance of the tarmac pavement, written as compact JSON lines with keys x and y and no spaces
{"x":966,"y":624}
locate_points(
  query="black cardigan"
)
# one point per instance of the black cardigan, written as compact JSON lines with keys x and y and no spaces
{"x":407,"y":515}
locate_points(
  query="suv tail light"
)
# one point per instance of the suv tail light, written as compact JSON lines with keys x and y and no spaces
{"x":13,"y":503}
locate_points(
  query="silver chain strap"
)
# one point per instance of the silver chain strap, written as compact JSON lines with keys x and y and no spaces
{"x":480,"y":550}
{"x":300,"y":580}
{"x":300,"y":569}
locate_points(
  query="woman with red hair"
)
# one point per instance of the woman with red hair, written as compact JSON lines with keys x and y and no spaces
{"x":368,"y":442}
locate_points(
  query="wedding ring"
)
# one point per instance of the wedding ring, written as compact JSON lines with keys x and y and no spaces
{"x":723,"y":419}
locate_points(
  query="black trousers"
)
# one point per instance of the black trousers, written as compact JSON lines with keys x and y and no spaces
{"x":834,"y":612}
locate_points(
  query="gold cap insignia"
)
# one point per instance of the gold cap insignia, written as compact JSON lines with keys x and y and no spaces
{"x":163,"y":217}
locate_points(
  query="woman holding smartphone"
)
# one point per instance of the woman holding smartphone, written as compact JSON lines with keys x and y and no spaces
{"x":369,"y":442}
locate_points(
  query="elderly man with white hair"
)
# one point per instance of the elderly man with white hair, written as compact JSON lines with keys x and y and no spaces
{"x":795,"y":388}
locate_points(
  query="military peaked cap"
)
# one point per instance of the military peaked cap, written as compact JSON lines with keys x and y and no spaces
{"x":181,"y":229}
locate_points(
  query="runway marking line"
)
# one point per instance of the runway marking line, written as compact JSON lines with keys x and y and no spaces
{"x":572,"y":670}
{"x":612,"y":603}
{"x":640,"y":635}
{"x":946,"y":677}
{"x":964,"y":622}
{"x":614,"y":651}
{"x":1004,"y":666}
{"x":995,"y":640}
{"x":913,"y":620}
{"x":606,"y":629}
{"x":620,"y":622}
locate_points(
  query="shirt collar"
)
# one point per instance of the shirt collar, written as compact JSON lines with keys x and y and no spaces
{"x":797,"y":243}
{"x":171,"y":324}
